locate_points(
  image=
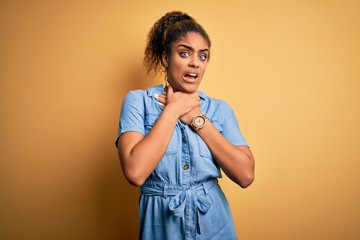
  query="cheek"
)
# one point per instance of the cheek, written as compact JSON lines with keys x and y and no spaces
{"x":176,"y":70}
{"x":173,"y":72}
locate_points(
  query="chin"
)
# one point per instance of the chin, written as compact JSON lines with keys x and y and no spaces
{"x":190,"y":89}
{"x":186,"y":87}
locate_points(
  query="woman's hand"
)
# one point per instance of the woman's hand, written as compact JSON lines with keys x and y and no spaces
{"x":184,"y":105}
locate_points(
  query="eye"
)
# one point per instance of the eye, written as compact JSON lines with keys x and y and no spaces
{"x":184,"y":54}
{"x":203,"y":57}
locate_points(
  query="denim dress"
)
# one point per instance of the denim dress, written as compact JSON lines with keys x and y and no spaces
{"x":181,"y":199}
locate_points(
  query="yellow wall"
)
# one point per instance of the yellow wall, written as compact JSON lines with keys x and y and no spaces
{"x":290,"y":70}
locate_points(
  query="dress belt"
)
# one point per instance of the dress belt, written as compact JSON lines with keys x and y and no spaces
{"x":179,"y":196}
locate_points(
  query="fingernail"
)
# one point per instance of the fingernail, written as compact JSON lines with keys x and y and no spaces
{"x":160,"y":103}
{"x":156,"y":95}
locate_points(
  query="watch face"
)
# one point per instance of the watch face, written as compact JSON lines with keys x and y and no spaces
{"x":199,"y":121}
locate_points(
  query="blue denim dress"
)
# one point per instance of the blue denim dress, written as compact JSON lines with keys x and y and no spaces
{"x":181,"y":199}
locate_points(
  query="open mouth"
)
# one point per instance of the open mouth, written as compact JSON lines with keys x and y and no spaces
{"x":191,"y":76}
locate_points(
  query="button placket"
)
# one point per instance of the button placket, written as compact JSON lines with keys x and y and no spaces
{"x":185,"y":159}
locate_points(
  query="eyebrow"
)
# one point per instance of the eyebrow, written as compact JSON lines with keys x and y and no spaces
{"x":192,"y":49}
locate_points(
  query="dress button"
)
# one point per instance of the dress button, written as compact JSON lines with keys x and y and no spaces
{"x":184,"y":139}
{"x":186,"y":167}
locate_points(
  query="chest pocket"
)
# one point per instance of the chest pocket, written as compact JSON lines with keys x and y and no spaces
{"x":150,"y":120}
{"x":204,"y":149}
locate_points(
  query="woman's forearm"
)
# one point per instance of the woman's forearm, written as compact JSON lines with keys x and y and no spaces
{"x":236,"y":162}
{"x":140,"y":154}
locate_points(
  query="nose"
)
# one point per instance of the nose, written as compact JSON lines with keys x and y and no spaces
{"x":194,"y":62}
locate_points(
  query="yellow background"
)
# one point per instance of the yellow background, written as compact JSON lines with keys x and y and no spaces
{"x":289,"y":69}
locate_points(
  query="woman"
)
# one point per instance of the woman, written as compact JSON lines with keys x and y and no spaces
{"x":174,"y":140}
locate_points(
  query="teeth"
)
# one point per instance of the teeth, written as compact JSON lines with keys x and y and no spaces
{"x":192,"y":74}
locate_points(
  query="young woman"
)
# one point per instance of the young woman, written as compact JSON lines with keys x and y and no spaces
{"x":173,"y":140}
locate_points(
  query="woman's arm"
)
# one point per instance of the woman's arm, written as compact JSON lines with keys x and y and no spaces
{"x":139,"y":154}
{"x":237,"y":162}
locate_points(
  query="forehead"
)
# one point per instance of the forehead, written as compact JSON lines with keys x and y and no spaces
{"x":193,"y":40}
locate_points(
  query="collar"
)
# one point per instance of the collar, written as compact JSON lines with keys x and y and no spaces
{"x":160,"y":89}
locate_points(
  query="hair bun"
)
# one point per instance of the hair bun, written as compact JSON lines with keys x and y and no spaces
{"x":183,"y":17}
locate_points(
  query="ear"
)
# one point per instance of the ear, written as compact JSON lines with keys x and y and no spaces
{"x":165,"y":59}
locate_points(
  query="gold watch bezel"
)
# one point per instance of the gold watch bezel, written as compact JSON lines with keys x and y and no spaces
{"x":193,"y":122}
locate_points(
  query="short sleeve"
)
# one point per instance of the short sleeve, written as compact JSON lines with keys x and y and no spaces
{"x":231,"y":129}
{"x":132,"y":113}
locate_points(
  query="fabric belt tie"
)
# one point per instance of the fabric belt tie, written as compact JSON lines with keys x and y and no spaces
{"x":180,"y":194}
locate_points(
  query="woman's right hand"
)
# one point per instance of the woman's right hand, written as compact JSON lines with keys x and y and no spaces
{"x":183,"y":105}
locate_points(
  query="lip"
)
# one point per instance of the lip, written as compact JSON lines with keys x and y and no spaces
{"x":189,"y":79}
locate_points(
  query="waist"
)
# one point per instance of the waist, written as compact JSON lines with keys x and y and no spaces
{"x":153,"y":188}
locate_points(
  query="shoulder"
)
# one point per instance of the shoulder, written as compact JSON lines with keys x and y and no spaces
{"x":217,"y":105}
{"x":135,"y":95}
{"x":212,"y":100}
{"x":140,"y":94}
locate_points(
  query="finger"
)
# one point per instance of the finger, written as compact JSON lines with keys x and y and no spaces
{"x":161,"y":104}
{"x":158,"y":96}
{"x":162,"y":98}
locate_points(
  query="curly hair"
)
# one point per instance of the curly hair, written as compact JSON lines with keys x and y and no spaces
{"x":168,"y":29}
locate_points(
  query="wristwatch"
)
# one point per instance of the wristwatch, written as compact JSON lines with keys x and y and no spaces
{"x":199,"y":121}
